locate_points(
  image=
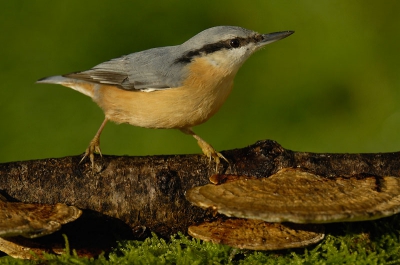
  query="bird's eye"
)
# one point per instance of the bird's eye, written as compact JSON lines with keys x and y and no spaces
{"x":235,"y":43}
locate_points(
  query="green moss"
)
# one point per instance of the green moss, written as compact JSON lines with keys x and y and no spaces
{"x":376,"y":242}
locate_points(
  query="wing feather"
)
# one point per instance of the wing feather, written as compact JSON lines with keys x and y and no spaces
{"x":152,"y":69}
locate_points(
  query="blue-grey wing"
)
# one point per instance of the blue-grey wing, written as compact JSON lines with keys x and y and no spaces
{"x":152,"y":69}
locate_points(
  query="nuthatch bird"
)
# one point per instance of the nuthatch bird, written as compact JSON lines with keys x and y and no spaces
{"x":174,"y":87}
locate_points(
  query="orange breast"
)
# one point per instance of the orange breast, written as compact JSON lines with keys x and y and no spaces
{"x":200,"y":97}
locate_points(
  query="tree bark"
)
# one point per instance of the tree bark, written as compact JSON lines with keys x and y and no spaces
{"x":148,"y":193}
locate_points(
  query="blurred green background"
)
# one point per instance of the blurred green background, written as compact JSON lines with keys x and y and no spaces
{"x":333,"y":86}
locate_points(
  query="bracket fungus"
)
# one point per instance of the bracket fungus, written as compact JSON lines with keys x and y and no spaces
{"x":258,"y":235}
{"x":30,"y":221}
{"x":290,"y":195}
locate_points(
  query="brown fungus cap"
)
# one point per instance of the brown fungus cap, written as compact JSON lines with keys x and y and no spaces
{"x":296,"y":196}
{"x":258,"y":235}
{"x":34,"y":220}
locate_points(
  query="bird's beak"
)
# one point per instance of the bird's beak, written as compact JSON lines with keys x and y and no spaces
{"x":272,"y":37}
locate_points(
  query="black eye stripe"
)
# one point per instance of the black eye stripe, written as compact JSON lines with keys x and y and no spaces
{"x":214,"y":47}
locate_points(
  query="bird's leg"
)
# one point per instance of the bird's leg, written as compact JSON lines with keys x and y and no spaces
{"x":94,"y":146}
{"x":207,"y":149}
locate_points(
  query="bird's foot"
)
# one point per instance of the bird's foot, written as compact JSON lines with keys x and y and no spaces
{"x":94,"y":147}
{"x":210,"y":152}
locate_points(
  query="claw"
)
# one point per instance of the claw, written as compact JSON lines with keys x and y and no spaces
{"x":207,"y":149}
{"x":94,"y":146}
{"x":210,"y":152}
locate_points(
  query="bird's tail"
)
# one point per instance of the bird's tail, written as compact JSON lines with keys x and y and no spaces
{"x":84,"y":87}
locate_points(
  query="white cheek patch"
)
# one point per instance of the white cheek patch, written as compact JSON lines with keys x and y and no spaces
{"x":229,"y":58}
{"x":214,"y":60}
